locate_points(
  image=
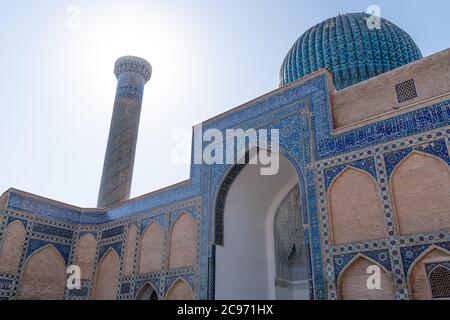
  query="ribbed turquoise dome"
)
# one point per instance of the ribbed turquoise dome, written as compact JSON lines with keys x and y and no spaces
{"x":349,"y":49}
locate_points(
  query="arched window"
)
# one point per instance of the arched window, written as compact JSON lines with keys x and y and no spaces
{"x":147,"y":292}
{"x":440,"y":282}
{"x":420,"y":283}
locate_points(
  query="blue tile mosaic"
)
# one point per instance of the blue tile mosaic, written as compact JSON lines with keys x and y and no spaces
{"x":36,"y":244}
{"x":6,"y":284}
{"x":404,"y":125}
{"x":52,"y":231}
{"x":445,"y":245}
{"x":189,"y":278}
{"x":409,"y":255}
{"x":349,"y":49}
{"x":125,"y":288}
{"x":340,"y":261}
{"x":11,"y":219}
{"x":367,"y":164}
{"x":112,"y":232}
{"x":116,"y":246}
{"x":160,"y":219}
{"x":61,"y":212}
{"x":429,"y":267}
{"x":82,"y":292}
{"x":303,"y":115}
{"x":436,"y":148}
{"x":380,"y":256}
{"x":154,"y":283}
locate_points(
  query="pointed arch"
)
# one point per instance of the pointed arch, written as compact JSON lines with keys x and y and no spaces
{"x":243,"y":231}
{"x":147,"y":292}
{"x":11,"y":247}
{"x":44,"y":275}
{"x":363,"y":256}
{"x":439,"y":280}
{"x":352,"y":282}
{"x":180,"y":290}
{"x":151,"y":249}
{"x":130,"y":245}
{"x":230,"y":174}
{"x":424,"y":253}
{"x":223,"y":187}
{"x":183,"y":242}
{"x":418,"y":283}
{"x":420,"y":187}
{"x":85,"y":255}
{"x":107,"y":276}
{"x":355,"y":209}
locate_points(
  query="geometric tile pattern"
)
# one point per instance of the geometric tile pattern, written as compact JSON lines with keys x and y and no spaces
{"x":11,"y":219}
{"x":36,"y":244}
{"x":367,"y":164}
{"x":349,"y":49}
{"x":317,"y":155}
{"x":395,"y":244}
{"x":379,"y":256}
{"x":53,"y":231}
{"x":116,"y":246}
{"x":112,"y":232}
{"x":437,"y":148}
{"x":410,"y":253}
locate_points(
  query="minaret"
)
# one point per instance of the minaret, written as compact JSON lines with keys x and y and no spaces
{"x":132,"y":73}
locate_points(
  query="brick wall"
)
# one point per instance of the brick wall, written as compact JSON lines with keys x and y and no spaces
{"x":355,"y":208}
{"x":129,"y":250}
{"x":418,"y":282}
{"x":183,"y":242}
{"x":353,"y":283}
{"x":11,"y":247}
{"x":44,"y":277}
{"x":151,"y":250}
{"x":179,"y":291}
{"x":421,"y":190}
{"x":107,"y":278}
{"x":377,"y":95}
{"x":85,"y":255}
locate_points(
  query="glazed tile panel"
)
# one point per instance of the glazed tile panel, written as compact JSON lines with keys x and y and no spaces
{"x":349,"y":49}
{"x":303,"y":115}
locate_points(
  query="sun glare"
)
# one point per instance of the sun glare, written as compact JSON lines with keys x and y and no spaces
{"x":156,"y":37}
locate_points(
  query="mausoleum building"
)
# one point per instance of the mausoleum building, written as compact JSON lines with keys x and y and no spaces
{"x":363,"y":181}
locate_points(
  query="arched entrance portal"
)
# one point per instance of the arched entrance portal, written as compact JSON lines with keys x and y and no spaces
{"x":263,"y":254}
{"x":147,"y":292}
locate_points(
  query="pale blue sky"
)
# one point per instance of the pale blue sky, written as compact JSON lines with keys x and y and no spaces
{"x":57,"y":85}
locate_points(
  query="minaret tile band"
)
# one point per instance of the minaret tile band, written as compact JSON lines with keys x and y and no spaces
{"x":132,"y":73}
